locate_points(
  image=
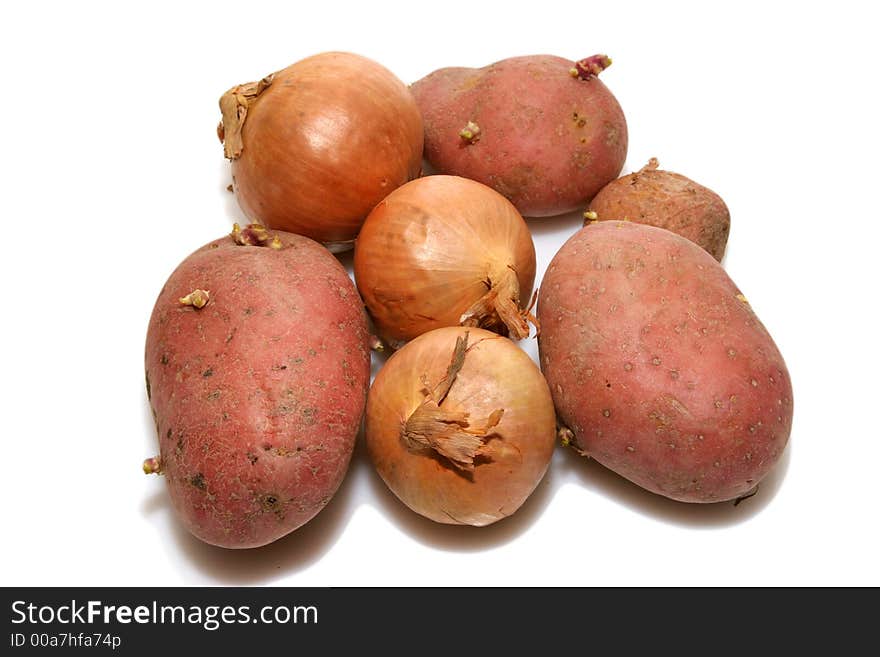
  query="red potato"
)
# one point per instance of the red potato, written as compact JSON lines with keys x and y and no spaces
{"x":667,"y":200}
{"x":542,"y":130}
{"x":659,"y":366}
{"x":257,"y":366}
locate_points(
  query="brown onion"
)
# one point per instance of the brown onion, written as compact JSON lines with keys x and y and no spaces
{"x":445,"y":251}
{"x":460,"y":425}
{"x":316,"y":145}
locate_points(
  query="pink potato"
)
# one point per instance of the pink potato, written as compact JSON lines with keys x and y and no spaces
{"x":658,"y":365}
{"x":257,"y":394}
{"x":542,"y":130}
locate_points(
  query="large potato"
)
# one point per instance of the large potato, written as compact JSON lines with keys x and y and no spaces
{"x":259,"y":394}
{"x":543,"y":137}
{"x":658,"y":364}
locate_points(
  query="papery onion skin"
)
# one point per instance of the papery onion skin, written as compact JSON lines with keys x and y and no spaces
{"x":325,"y":141}
{"x":495,"y":374}
{"x":431,"y":250}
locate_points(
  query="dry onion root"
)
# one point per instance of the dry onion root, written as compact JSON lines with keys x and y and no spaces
{"x":445,"y":251}
{"x":316,"y":145}
{"x":460,"y":425}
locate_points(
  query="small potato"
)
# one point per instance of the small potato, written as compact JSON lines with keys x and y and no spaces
{"x":659,"y":366}
{"x":542,"y":130}
{"x":257,"y":366}
{"x":667,"y":200}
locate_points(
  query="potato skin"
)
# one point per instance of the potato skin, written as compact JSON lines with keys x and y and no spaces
{"x":548,"y":141}
{"x":658,"y":364}
{"x":257,"y":396}
{"x":667,"y":200}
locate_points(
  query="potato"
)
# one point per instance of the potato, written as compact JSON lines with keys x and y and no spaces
{"x":258,"y":394}
{"x":667,"y":200}
{"x":659,"y":366}
{"x":546,"y":139}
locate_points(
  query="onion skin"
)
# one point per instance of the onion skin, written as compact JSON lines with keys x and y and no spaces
{"x":495,"y":375}
{"x":322,"y":143}
{"x":426,"y":252}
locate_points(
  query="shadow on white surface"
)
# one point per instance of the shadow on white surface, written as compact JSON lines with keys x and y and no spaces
{"x":463,"y":538}
{"x":346,"y":258}
{"x":232,"y":211}
{"x":559,"y":228}
{"x":310,"y":543}
{"x":568,"y":467}
{"x":255,"y":566}
{"x":603,"y":481}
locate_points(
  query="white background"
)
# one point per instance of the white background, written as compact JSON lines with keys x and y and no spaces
{"x":112,"y":173}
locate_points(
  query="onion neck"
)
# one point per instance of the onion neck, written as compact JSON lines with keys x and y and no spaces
{"x":499,"y":309}
{"x":339,"y":246}
{"x":447,"y":432}
{"x":234,"y":106}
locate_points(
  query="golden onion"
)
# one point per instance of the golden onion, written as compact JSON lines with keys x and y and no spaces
{"x":460,"y":425}
{"x":445,"y":251}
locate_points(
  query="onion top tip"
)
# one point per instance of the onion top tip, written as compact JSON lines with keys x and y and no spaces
{"x":449,"y":432}
{"x":234,"y":106}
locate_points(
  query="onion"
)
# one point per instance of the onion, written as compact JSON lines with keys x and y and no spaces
{"x":445,"y":251}
{"x":316,"y":145}
{"x":460,"y":425}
